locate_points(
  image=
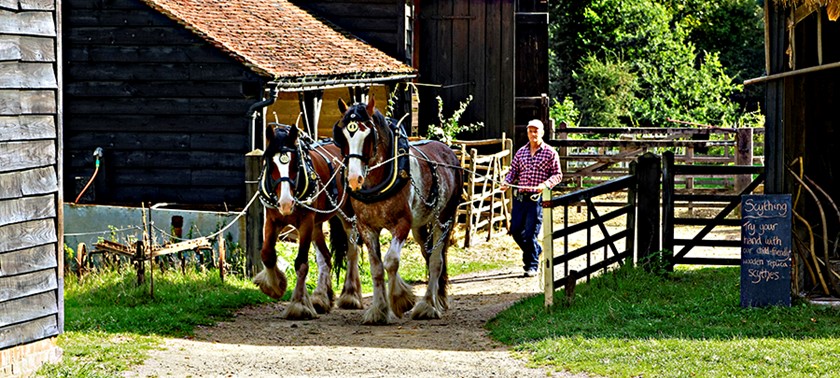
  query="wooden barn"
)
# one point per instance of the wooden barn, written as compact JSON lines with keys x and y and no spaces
{"x":31,"y":280}
{"x":163,"y":87}
{"x":803,"y":91}
{"x":496,"y":51}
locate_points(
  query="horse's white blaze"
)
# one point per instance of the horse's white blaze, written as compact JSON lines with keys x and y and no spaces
{"x":355,"y":144}
{"x":286,"y":200}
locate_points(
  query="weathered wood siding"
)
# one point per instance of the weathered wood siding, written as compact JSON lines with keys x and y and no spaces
{"x":31,"y":281}
{"x":381,"y":23}
{"x":467,"y":48}
{"x":167,"y":107}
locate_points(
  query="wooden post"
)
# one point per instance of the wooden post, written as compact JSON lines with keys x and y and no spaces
{"x":743,"y":155}
{"x":548,"y":250}
{"x":254,"y":217}
{"x":140,"y":260}
{"x":668,"y":205}
{"x":222,"y":257}
{"x":177,"y":224}
{"x":631,"y":216}
{"x":647,"y":178}
{"x":562,"y":151}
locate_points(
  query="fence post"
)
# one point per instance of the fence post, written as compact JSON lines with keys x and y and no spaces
{"x":561,"y":134}
{"x":631,"y":215}
{"x":743,"y":155}
{"x":548,"y":250}
{"x":254,"y":217}
{"x":647,"y":177}
{"x":668,"y":192}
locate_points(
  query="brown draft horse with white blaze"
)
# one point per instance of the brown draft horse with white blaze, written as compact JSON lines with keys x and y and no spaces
{"x":399,"y":187}
{"x":300,"y":187}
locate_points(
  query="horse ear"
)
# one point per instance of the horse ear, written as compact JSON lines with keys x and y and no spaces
{"x":371,"y":104}
{"x":342,"y":106}
{"x":293,"y":132}
{"x":269,"y":133}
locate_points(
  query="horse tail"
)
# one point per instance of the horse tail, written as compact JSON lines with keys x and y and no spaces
{"x":338,"y":245}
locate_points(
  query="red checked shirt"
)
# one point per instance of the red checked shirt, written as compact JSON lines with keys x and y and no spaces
{"x":531,"y":171}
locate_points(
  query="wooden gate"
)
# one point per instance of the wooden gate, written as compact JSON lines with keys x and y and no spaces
{"x":728,"y":201}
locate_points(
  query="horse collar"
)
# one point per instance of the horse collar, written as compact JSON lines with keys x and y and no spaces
{"x":397,"y":173}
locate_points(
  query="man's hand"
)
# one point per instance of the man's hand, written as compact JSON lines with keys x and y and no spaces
{"x":503,"y":187}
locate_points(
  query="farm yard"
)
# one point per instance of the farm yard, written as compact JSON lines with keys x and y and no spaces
{"x":694,"y":233}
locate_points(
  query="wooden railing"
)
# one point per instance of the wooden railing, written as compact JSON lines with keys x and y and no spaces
{"x":598,"y":255}
{"x":484,"y":205}
{"x":588,"y":162}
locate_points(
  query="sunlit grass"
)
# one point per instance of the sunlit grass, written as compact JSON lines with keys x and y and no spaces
{"x":689,"y":323}
{"x":111,"y":323}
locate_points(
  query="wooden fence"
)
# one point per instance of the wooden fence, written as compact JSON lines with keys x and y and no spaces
{"x":587,"y":162}
{"x":484,"y":205}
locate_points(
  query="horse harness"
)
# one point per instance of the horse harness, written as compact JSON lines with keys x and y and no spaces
{"x":304,"y":188}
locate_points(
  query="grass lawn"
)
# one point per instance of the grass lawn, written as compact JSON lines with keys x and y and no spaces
{"x":688,"y":323}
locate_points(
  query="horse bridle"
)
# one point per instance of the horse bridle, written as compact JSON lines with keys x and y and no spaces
{"x":304,"y":169}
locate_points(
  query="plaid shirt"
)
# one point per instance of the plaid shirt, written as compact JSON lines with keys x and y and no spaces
{"x":530,"y":171}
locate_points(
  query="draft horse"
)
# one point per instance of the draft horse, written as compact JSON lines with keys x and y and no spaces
{"x":299,"y":187}
{"x":399,"y":186}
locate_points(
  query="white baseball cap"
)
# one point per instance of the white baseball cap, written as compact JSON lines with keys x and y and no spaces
{"x":535,"y":123}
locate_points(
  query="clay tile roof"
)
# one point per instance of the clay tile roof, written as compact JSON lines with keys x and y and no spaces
{"x":277,"y":39}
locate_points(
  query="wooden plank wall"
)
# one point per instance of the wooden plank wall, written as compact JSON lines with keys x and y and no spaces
{"x":378,"y":22}
{"x":31,"y":281}
{"x":167,"y":108}
{"x":467,"y":48}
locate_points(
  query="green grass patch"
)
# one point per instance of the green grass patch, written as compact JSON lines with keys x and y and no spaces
{"x":111,"y":323}
{"x":688,"y":323}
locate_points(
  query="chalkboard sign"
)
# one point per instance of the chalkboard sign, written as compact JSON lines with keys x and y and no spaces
{"x":765,"y":250}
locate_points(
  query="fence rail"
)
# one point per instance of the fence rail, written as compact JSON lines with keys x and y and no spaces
{"x":592,"y":161}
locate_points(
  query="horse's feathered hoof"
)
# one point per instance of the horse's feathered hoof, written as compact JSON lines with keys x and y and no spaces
{"x":423,"y":310}
{"x":402,"y":298}
{"x":299,"y":311}
{"x":321,"y":301}
{"x":378,"y":317}
{"x":350,"y":301}
{"x":272,"y":282}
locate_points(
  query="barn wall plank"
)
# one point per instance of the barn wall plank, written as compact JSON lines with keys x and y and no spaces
{"x":27,"y":75}
{"x":9,"y":48}
{"x":129,"y":123}
{"x":15,"y":102}
{"x":170,"y":159}
{"x":21,"y":155}
{"x":9,"y":4}
{"x":28,"y":260}
{"x":29,"y":308}
{"x":37,"y":4}
{"x":29,"y":182}
{"x":76,"y":17}
{"x":27,"y":234}
{"x":29,"y":331}
{"x":27,"y":23}
{"x":193,"y":53}
{"x":37,"y":49}
{"x":27,"y":208}
{"x":27,"y":284}
{"x":27,"y":127}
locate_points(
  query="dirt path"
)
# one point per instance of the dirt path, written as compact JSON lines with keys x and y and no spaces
{"x":258,"y":343}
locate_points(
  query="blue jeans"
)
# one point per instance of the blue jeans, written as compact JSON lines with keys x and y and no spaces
{"x":525,"y":222}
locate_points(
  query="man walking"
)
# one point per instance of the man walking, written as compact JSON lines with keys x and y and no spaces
{"x":535,"y":166}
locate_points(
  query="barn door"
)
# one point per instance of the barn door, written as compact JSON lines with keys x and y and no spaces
{"x":531,"y":67}
{"x":466,"y":48}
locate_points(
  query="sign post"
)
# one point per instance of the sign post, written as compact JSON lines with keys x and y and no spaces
{"x":765,"y":250}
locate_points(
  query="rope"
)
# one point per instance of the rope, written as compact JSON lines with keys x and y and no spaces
{"x":100,"y":232}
